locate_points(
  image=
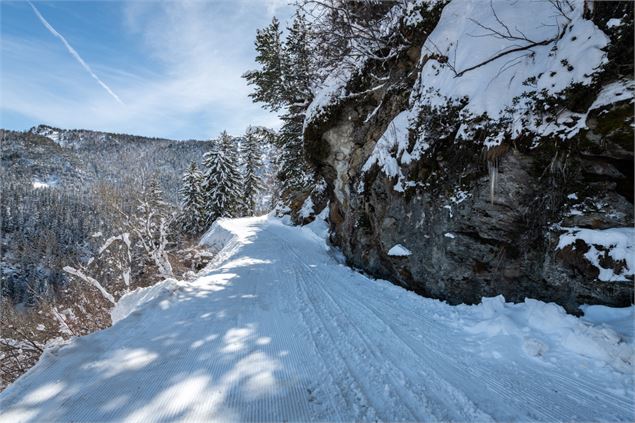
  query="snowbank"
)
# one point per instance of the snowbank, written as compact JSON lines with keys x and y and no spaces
{"x":217,"y":236}
{"x":621,"y":320}
{"x":132,"y":301}
{"x":319,"y":228}
{"x":225,"y":236}
{"x":544,"y":327}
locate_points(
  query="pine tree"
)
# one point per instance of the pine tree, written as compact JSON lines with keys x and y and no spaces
{"x":284,"y":82}
{"x":222,"y":181}
{"x":268,"y":80}
{"x":297,"y":65}
{"x":192,"y":201}
{"x":252,"y":156}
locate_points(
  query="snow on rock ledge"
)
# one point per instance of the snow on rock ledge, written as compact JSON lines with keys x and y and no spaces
{"x":616,"y":243}
{"x":399,"y":251}
{"x":614,"y":93}
{"x":491,"y":58}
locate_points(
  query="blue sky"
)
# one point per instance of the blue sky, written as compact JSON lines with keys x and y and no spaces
{"x":157,"y":68}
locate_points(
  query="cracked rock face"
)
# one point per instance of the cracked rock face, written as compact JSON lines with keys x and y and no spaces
{"x":480,"y":222}
{"x":470,"y":237}
{"x":478,"y":218}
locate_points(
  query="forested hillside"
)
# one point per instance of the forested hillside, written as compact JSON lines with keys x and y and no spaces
{"x":61,"y":192}
{"x":88,"y":216}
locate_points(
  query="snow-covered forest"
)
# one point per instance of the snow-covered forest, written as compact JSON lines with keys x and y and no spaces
{"x":439,"y":226}
{"x":84,"y":218}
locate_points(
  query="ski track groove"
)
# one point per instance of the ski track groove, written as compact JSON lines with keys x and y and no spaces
{"x":453,"y":392}
{"x":339,"y":312}
{"x":362,"y":397}
{"x":324,"y":369}
{"x":584,"y":395}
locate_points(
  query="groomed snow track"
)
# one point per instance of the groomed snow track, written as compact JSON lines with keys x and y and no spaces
{"x":278,"y":330}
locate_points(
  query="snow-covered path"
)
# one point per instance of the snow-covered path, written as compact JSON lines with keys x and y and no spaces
{"x":278,"y":330}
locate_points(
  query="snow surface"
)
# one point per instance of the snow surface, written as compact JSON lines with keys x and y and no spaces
{"x":307,"y":208}
{"x":617,"y":243}
{"x":49,"y":182}
{"x":277,"y":329}
{"x":613,"y":93}
{"x":471,"y":32}
{"x":399,"y":250}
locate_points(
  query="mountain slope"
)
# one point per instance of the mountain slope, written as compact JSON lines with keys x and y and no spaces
{"x":278,"y":329}
{"x":122,"y":158}
{"x":60,"y":187}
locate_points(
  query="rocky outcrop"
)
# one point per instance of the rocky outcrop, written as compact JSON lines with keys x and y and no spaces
{"x":479,"y":220}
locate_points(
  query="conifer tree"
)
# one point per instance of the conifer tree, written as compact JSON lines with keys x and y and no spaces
{"x":284,"y":82}
{"x":252,"y":157}
{"x":297,"y":65}
{"x":192,"y":201}
{"x":268,"y":80}
{"x":222,"y":181}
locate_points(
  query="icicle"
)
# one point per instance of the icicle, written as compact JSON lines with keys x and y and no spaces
{"x":492,"y":167}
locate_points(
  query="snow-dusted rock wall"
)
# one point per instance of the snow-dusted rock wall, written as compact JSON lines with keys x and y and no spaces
{"x":503,"y":129}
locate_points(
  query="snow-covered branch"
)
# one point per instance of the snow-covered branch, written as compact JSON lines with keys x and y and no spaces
{"x":81,"y":275}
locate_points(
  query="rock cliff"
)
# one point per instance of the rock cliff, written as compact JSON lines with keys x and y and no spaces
{"x":497,"y":153}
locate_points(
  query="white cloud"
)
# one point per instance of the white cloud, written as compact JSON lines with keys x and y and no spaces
{"x":193,"y":89}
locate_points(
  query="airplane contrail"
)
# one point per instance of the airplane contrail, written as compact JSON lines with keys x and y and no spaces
{"x":74,"y":53}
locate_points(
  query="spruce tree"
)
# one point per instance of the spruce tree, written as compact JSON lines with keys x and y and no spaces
{"x":284,"y":82}
{"x":222,"y":181}
{"x":294,"y":173}
{"x":268,"y":80}
{"x":252,"y":180}
{"x":297,"y":65}
{"x":192,"y":201}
